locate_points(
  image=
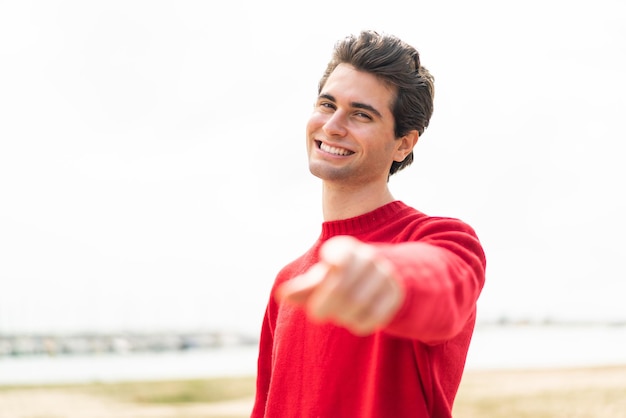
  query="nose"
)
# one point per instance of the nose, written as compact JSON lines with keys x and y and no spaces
{"x":335,"y":125}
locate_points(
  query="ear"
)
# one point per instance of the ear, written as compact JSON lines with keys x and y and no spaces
{"x":405,"y":145}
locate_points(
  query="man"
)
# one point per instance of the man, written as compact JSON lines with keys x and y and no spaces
{"x":375,"y":320}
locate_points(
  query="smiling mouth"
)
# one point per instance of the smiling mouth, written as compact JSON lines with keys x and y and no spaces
{"x":333,"y":150}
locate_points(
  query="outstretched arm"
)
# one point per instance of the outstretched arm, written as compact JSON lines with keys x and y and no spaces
{"x":424,"y":290}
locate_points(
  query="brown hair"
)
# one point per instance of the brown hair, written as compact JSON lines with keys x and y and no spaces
{"x":397,"y":64}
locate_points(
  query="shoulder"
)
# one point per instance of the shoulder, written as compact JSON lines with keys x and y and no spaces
{"x":419,"y":225}
{"x":441,"y":231}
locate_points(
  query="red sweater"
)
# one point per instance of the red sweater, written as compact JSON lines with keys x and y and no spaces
{"x":413,"y":367}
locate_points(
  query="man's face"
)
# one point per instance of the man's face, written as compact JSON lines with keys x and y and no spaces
{"x":350,"y":135}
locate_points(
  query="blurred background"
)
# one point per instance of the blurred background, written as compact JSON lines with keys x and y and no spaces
{"x":153,"y":174}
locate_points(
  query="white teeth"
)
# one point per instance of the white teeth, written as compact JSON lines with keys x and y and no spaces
{"x":334,"y":150}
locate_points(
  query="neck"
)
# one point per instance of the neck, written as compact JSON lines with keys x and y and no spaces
{"x":341,"y":202}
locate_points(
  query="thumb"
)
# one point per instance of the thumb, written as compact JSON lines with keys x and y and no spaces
{"x":298,"y":289}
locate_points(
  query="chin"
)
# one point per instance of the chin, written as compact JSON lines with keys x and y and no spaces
{"x":328,"y":173}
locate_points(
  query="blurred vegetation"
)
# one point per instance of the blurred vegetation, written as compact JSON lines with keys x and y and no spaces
{"x":175,"y":392}
{"x":580,"y":393}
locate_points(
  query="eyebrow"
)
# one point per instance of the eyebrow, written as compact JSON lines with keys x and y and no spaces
{"x":357,"y":105}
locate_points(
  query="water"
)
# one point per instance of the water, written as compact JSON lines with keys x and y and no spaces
{"x":493,"y":347}
{"x":227,"y":361}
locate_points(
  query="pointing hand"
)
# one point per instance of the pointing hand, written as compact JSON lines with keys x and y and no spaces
{"x":351,"y":286}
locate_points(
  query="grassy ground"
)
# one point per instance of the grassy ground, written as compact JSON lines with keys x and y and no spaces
{"x":176,"y":392}
{"x":560,"y":393}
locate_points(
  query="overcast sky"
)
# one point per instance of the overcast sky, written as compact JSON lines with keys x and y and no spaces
{"x":153,"y":171}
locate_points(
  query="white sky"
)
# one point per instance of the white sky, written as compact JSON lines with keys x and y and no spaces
{"x":153,"y":171}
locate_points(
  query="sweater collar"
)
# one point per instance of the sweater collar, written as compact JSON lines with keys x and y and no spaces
{"x":362,"y":223}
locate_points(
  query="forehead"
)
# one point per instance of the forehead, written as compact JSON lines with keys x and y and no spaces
{"x":348,"y":84}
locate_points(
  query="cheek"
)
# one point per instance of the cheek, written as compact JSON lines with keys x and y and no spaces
{"x":384,"y":140}
{"x":392,"y":146}
{"x":316,"y":121}
{"x":312,"y":126}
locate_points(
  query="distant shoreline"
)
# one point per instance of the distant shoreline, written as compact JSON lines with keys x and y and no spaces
{"x":51,"y":344}
{"x":20,"y":344}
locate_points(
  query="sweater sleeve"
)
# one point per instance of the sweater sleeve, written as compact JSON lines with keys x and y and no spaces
{"x":441,"y":267}
{"x":264,"y":362}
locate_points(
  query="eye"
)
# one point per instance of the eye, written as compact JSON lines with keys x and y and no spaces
{"x":327,"y":105}
{"x":363,"y":115}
